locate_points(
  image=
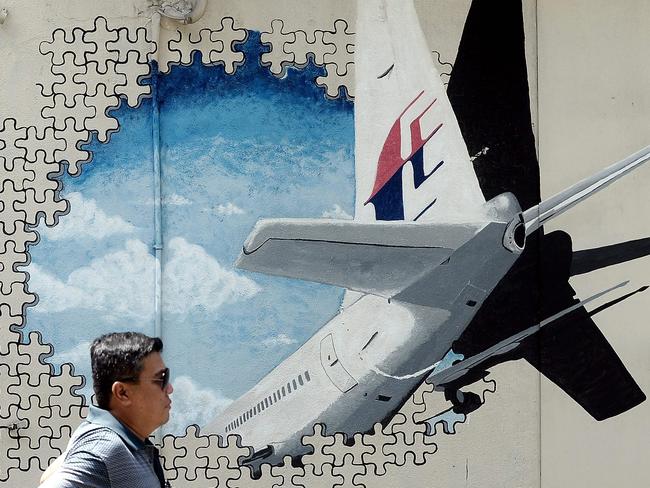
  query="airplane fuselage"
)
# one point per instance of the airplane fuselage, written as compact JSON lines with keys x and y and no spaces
{"x":363,"y":365}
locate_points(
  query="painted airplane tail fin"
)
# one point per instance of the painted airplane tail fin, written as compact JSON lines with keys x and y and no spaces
{"x":538,"y":215}
{"x":411,"y":162}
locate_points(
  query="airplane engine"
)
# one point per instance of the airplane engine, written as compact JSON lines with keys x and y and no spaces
{"x":506,"y":208}
{"x":514,"y":238}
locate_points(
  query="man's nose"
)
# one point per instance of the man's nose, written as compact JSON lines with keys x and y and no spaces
{"x":170,"y":389}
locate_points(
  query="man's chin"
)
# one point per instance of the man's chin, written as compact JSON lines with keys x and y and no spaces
{"x":166,"y":416}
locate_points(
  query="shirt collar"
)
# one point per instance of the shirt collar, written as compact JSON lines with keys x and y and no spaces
{"x":99,"y":416}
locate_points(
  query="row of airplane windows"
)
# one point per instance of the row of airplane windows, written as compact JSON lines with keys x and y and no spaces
{"x":276,"y":396}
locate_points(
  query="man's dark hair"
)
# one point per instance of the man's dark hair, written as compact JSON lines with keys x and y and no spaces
{"x":118,"y":356}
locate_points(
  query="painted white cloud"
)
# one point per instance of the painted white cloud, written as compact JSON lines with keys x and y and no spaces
{"x":192,"y":278}
{"x":86,"y":220}
{"x":279,"y":340}
{"x":336,"y":212}
{"x":192,"y":404}
{"x":53,"y":294}
{"x":218,"y":141}
{"x":176,"y":200}
{"x":228,"y":209}
{"x":173,"y":200}
{"x":119,"y":284}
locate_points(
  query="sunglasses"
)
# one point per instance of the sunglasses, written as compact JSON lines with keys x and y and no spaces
{"x":163,"y":379}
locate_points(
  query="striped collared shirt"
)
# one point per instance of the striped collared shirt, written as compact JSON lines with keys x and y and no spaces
{"x":103,"y":453}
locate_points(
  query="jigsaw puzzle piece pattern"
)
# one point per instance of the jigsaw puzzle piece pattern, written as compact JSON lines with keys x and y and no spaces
{"x":10,"y":260}
{"x":67,"y":381}
{"x":9,"y":216}
{"x":218,"y":46}
{"x":325,"y":477}
{"x":168,"y":454}
{"x":277,"y":59}
{"x":331,"y":49}
{"x":39,"y":409}
{"x":287,"y":472}
{"x":444,"y":68}
{"x":87,"y":78}
{"x":411,"y":453}
{"x":123,"y":42}
{"x":8,"y":336}
{"x":318,"y":442}
{"x":204,"y":461}
{"x":10,"y":399}
{"x":438,"y":414}
{"x":84,"y":87}
{"x":348,"y":451}
{"x":339,"y":65}
{"x":93,"y":68}
{"x":268,"y":478}
{"x":8,"y":465}
{"x":351,"y":472}
{"x":186,"y":462}
{"x":377,"y":459}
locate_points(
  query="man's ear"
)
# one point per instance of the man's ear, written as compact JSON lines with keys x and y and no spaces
{"x":121,"y":393}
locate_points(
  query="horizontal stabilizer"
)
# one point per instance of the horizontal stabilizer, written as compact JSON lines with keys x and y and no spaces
{"x":461,"y":368}
{"x":380,"y":258}
{"x":537,"y":216}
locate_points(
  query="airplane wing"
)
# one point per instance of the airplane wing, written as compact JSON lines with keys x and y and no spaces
{"x":538,"y":215}
{"x":380,"y":258}
{"x":461,"y":368}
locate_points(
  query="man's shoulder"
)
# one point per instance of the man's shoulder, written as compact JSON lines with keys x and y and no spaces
{"x":84,"y":462}
{"x":97,"y":440}
{"x":97,"y":451}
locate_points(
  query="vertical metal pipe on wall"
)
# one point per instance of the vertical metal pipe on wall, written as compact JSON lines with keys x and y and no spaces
{"x":157,"y":188}
{"x":157,"y":175}
{"x":197,"y":10}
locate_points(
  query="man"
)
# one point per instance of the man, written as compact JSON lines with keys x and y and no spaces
{"x":110,"y":449}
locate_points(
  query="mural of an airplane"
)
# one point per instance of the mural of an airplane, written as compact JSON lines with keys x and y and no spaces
{"x":429,"y":266}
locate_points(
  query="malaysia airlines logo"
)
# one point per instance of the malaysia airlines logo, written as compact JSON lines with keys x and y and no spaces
{"x":405,"y":142}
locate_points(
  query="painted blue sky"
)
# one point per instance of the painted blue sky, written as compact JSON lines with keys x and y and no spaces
{"x":234,"y":149}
